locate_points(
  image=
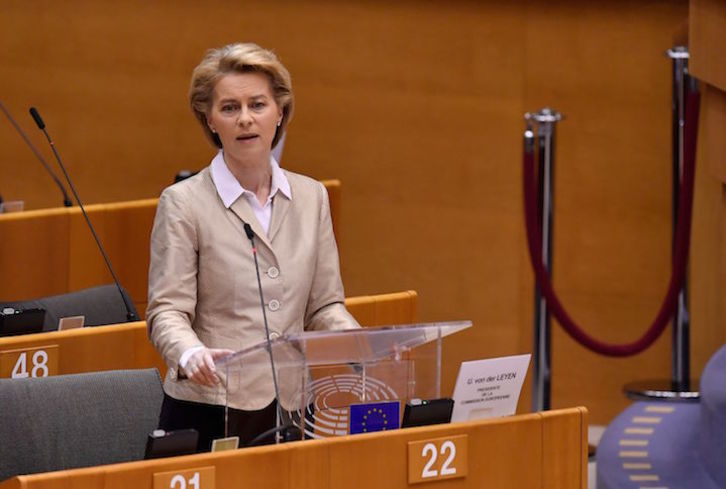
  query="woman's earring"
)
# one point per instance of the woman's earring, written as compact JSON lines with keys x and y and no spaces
{"x":279,"y":122}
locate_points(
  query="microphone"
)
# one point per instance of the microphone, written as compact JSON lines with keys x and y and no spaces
{"x":130,"y":315}
{"x":66,"y":201}
{"x":284,"y":428}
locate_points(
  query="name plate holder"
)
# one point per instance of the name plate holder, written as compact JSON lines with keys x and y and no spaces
{"x":12,"y":206}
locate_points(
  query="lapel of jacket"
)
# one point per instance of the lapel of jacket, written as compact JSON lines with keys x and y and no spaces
{"x":243,"y":210}
{"x":280,"y":206}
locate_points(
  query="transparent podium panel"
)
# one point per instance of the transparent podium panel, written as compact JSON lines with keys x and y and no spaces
{"x":321,"y":374}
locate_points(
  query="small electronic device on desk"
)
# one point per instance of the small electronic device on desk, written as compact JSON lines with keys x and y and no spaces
{"x":422,"y":412}
{"x":162,"y":443}
{"x":21,"y":321}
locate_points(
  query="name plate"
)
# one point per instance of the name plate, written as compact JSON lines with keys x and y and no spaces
{"x":489,"y":388}
{"x":41,"y":361}
{"x":198,"y":478}
{"x":438,"y":459}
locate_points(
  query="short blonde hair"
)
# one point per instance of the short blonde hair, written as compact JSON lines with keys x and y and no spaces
{"x":239,"y":58}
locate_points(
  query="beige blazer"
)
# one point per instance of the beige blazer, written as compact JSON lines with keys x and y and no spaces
{"x":203,"y":285}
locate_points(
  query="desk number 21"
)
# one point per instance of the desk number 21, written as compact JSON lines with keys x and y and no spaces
{"x":179,"y":482}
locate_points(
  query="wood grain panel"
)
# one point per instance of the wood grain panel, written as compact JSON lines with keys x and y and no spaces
{"x":385,"y":309}
{"x":86,"y":266}
{"x":556,"y":430}
{"x":498,"y":450}
{"x":33,"y":254}
{"x":712,"y":144}
{"x":707,"y":19}
{"x":497,"y":464}
{"x":708,"y":255}
{"x":124,"y":230}
{"x":113,"y":347}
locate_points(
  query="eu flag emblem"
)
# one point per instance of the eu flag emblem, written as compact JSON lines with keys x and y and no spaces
{"x":376,"y":416}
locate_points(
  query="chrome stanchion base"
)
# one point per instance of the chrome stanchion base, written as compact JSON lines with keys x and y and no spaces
{"x":662,"y":390}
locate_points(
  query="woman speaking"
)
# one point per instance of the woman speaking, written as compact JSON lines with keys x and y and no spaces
{"x":203,"y":297}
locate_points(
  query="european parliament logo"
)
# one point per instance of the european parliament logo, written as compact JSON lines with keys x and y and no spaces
{"x":375,"y":416}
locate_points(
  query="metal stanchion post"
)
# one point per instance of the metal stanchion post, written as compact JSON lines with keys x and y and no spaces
{"x":680,"y":360}
{"x":680,"y":386}
{"x":545,"y":121}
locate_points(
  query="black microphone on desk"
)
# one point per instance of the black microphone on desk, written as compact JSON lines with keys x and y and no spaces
{"x":281,"y":427}
{"x":130,"y":315}
{"x":66,"y":201}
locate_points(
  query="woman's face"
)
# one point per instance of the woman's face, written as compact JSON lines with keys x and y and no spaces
{"x":244,"y":115}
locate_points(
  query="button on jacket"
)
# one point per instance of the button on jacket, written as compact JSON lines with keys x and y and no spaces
{"x":203,"y":284}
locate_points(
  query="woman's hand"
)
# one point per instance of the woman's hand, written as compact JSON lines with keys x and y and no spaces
{"x":200,"y":366}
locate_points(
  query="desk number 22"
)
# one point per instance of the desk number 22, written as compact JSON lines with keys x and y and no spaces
{"x":429,"y":450}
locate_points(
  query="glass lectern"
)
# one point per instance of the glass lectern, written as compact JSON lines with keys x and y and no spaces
{"x":320,"y":374}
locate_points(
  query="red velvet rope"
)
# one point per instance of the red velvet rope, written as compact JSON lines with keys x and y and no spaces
{"x":680,"y":259}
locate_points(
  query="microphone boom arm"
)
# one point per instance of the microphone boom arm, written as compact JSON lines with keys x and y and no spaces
{"x":130,"y":316}
{"x":66,"y":201}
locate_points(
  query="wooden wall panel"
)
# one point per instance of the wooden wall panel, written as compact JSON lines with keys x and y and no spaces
{"x":382,"y":309}
{"x":713,"y":121}
{"x":417,"y":108}
{"x":32,"y":242}
{"x":124,"y":230}
{"x":707,"y":19}
{"x":708,"y":255}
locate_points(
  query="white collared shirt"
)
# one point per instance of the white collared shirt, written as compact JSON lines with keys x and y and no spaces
{"x":229,"y":189}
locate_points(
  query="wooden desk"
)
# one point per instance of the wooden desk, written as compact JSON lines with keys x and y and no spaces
{"x":126,"y":346}
{"x":541,"y":450}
